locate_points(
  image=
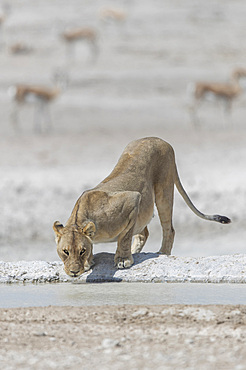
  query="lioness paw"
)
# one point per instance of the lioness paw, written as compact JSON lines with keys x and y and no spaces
{"x":122,"y":263}
{"x":88,"y":265}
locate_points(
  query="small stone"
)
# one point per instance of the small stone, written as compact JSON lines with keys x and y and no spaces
{"x":40,"y":334}
{"x":142,"y":312}
{"x":109,"y":343}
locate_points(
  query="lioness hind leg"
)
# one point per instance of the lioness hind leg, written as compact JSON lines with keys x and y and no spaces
{"x":139,"y":241}
{"x":164,"y":204}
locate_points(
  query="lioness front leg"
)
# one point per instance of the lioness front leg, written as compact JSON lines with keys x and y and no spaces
{"x":123,"y":256}
{"x":89,"y":263}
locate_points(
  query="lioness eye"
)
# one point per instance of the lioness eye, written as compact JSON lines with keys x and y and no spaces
{"x":66,"y":251}
{"x":82,"y":251}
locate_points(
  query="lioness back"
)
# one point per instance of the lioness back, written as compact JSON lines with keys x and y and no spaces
{"x":143,"y":160}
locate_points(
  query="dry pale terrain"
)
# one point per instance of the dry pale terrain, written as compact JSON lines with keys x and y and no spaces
{"x":119,"y":337}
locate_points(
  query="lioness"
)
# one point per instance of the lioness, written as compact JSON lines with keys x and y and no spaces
{"x":122,"y":205}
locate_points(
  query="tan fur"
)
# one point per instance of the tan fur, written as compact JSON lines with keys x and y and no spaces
{"x":80,"y":34}
{"x":45,"y":93}
{"x":239,"y":73}
{"x":40,"y":96}
{"x":122,"y":205}
{"x":222,"y":92}
{"x":113,"y":14}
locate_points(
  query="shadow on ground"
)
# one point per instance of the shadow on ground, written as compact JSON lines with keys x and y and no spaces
{"x":104,"y":269}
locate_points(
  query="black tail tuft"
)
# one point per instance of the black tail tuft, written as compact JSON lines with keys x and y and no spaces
{"x":221,"y":219}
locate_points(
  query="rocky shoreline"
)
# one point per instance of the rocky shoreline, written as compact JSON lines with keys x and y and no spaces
{"x":148,"y":267}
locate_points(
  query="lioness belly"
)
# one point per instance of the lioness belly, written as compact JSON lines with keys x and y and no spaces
{"x":141,"y":224}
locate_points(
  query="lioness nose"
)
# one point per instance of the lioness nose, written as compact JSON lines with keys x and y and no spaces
{"x":74,"y":272}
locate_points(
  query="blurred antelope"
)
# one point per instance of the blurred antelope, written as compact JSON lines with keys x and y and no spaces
{"x":224,"y":93}
{"x":114,"y":18}
{"x":239,"y":74}
{"x":115,"y":15}
{"x":40,"y":97}
{"x":4,"y":13}
{"x":20,"y":48}
{"x":73,"y":36}
{"x":2,"y":20}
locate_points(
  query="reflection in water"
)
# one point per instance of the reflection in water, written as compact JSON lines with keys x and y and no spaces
{"x":77,"y":294}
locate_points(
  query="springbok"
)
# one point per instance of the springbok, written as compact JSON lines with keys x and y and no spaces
{"x":41,"y":97}
{"x":2,"y":20}
{"x":115,"y":15}
{"x":5,"y":11}
{"x":20,"y":48}
{"x":73,"y":36}
{"x":115,"y":18}
{"x":224,"y":93}
{"x":239,"y":73}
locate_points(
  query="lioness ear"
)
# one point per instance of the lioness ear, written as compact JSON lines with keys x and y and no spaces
{"x":58,"y":228}
{"x":89,"y":229}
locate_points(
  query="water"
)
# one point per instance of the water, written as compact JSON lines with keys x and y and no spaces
{"x":69,"y":294}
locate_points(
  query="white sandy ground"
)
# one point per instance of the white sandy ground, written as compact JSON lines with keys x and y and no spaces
{"x":148,"y":267}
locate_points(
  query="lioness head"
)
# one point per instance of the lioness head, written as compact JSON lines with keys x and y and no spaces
{"x":74,"y":247}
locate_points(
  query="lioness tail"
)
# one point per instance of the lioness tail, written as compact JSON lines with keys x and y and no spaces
{"x":217,"y":218}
